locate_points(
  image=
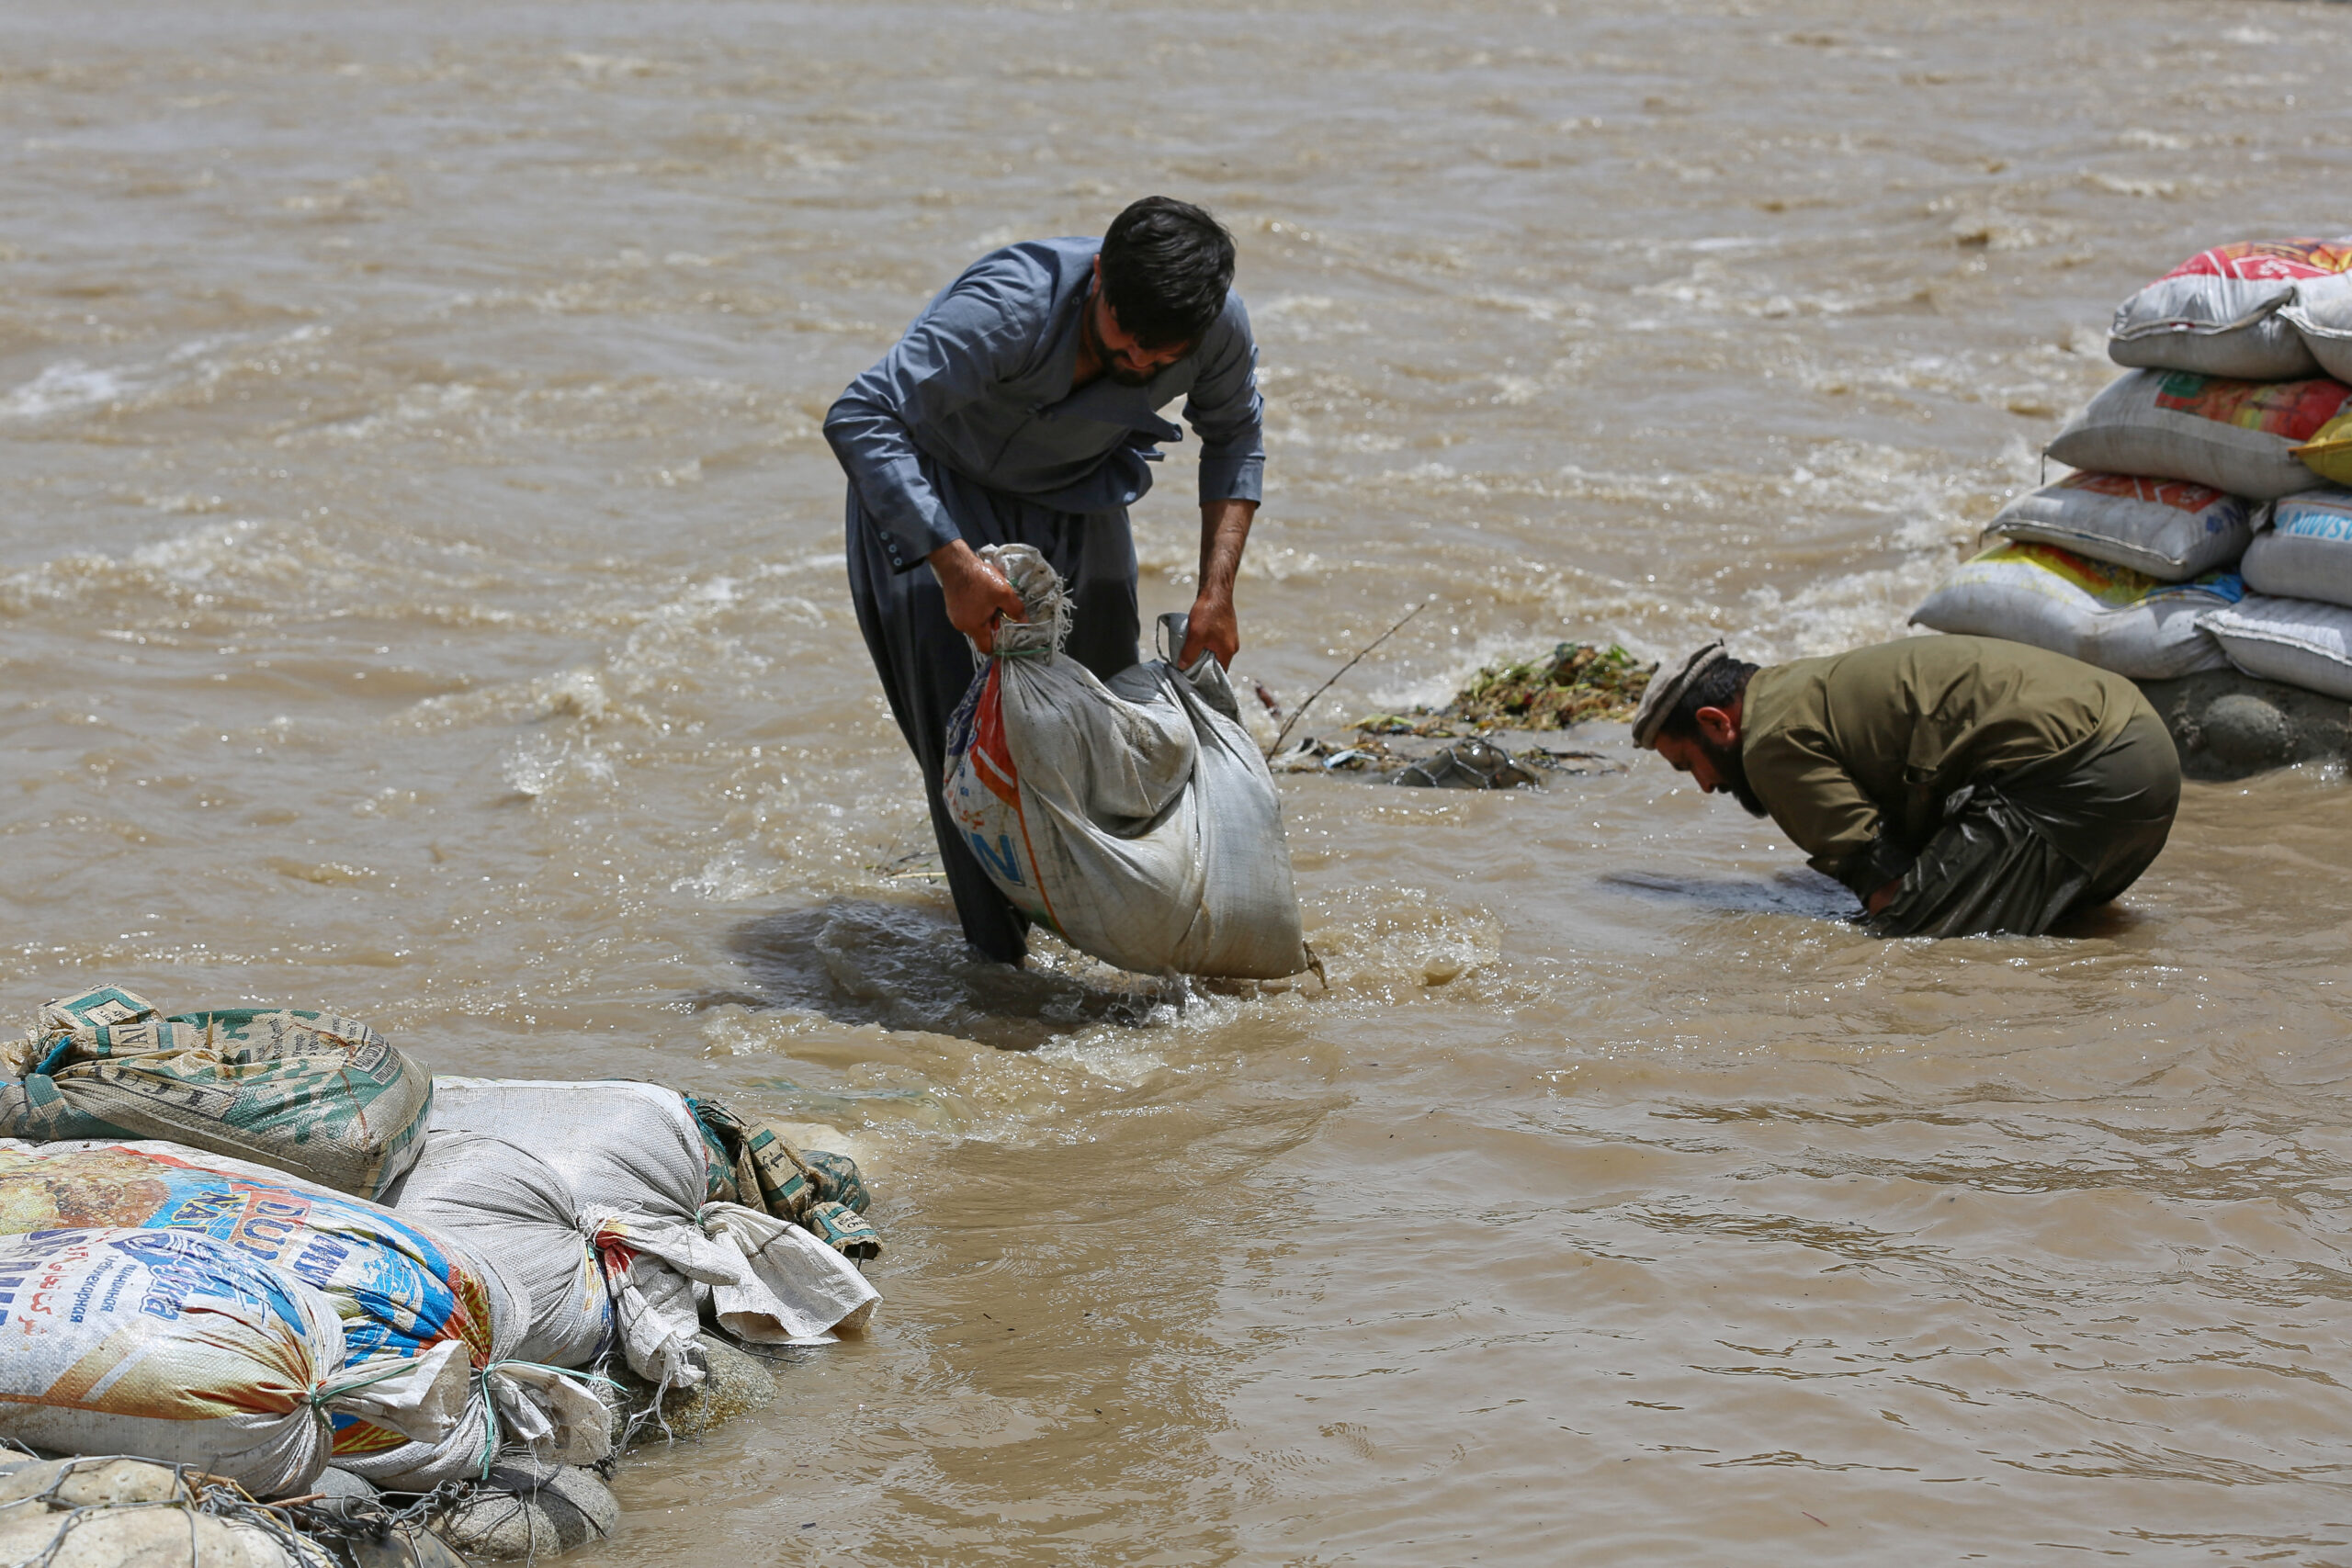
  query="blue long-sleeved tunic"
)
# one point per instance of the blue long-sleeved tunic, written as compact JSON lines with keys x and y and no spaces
{"x":981,"y":382}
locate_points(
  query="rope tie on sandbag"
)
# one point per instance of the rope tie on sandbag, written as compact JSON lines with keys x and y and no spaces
{"x":1026,"y":570}
{"x":328,"y":1391}
{"x":490,"y":1400}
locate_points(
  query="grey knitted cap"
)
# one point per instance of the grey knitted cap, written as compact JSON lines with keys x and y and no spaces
{"x":1665,"y":690}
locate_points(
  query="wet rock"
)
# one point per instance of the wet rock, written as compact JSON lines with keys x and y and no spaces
{"x":2229,"y":726}
{"x":736,"y":1384}
{"x":401,"y":1547}
{"x":529,"y":1509}
{"x":341,"y":1486}
{"x":115,"y":1513}
{"x":2244,"y":731}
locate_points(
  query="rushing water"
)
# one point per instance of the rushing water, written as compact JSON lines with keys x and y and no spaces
{"x":420,"y":593}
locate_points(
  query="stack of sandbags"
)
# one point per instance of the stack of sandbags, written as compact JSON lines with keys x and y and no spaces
{"x":2132,"y":562}
{"x":259,"y":1318}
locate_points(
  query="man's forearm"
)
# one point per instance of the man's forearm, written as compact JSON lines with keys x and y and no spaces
{"x":1213,"y":629}
{"x":1225,"y":533}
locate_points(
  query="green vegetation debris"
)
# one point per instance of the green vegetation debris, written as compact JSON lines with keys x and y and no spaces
{"x":1576,"y":683}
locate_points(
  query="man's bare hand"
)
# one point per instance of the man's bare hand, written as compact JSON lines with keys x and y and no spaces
{"x":1211,"y":628}
{"x":1884,"y":897}
{"x":977,"y":597}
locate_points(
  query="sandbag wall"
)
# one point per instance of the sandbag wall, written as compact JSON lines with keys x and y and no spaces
{"x":411,"y":1297}
{"x":2207,"y":525}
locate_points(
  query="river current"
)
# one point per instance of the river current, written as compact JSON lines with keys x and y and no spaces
{"x":422,"y":594}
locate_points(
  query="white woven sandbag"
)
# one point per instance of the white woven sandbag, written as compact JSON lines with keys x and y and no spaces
{"x":614,"y":1142}
{"x":2107,"y":616}
{"x":2299,"y":641}
{"x":172,"y":1345}
{"x":2236,"y":437}
{"x":2306,"y":552}
{"x":2321,"y":315}
{"x":622,"y":1148}
{"x":2221,"y":312}
{"x":2170,"y":529}
{"x":1134,"y":817}
{"x":514,"y":1207}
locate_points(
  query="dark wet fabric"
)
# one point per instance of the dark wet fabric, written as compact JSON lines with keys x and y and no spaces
{"x":925,"y":664}
{"x":2019,"y":852}
{"x":1870,"y":744}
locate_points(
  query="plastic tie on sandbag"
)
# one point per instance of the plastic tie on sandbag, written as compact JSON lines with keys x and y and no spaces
{"x":425,"y":1408}
{"x":572,"y":1438}
{"x":1048,"y":607}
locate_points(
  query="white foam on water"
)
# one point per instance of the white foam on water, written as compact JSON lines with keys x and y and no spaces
{"x":64,"y":387}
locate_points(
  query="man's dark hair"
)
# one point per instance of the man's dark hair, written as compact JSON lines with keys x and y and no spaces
{"x":1166,"y":268}
{"x":1720,"y":684}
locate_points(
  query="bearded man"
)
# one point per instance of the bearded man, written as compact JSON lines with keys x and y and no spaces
{"x":1023,"y":408}
{"x":1957,"y":785}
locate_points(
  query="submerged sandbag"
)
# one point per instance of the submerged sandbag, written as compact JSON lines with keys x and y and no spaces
{"x":2237,"y":436}
{"x":2225,"y":311}
{"x":2170,"y":529}
{"x":403,"y":1290}
{"x":320,"y":1097}
{"x":2107,"y":615}
{"x":187,"y":1349}
{"x":1134,"y":816}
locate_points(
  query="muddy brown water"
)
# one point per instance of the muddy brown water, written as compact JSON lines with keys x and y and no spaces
{"x":420,"y":593}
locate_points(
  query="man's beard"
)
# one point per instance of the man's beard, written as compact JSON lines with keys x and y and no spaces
{"x":1094,"y":346}
{"x":1731,"y":770}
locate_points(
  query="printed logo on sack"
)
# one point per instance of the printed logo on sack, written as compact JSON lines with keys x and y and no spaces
{"x":2117,"y":587}
{"x":2179,"y":494}
{"x":978,"y":745}
{"x":2269,"y":261}
{"x":2314,"y":520}
{"x":2294,"y":409}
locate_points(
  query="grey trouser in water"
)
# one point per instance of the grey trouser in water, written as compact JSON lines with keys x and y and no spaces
{"x":925,"y":664}
{"x":2017,"y":852}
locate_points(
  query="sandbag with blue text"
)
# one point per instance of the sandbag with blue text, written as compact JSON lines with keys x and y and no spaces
{"x":404,"y":1292}
{"x":1132,"y":816}
{"x":173,"y":1345}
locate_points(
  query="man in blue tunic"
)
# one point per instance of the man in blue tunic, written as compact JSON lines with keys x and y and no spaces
{"x":1020,"y":408}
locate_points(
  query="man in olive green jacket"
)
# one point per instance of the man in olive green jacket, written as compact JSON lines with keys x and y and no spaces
{"x":1958,"y":784}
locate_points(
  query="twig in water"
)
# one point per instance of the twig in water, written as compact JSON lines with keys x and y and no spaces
{"x":1300,"y":712}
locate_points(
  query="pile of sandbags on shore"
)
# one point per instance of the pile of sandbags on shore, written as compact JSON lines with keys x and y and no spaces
{"x":268,"y":1249}
{"x":2206,"y":525}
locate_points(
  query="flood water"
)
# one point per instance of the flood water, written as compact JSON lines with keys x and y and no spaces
{"x":421,"y":594}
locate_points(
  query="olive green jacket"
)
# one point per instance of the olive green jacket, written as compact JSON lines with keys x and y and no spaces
{"x":1855,"y":754}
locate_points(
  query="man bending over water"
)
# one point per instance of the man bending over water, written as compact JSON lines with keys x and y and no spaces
{"x":1023,"y":408}
{"x":1958,"y":784}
